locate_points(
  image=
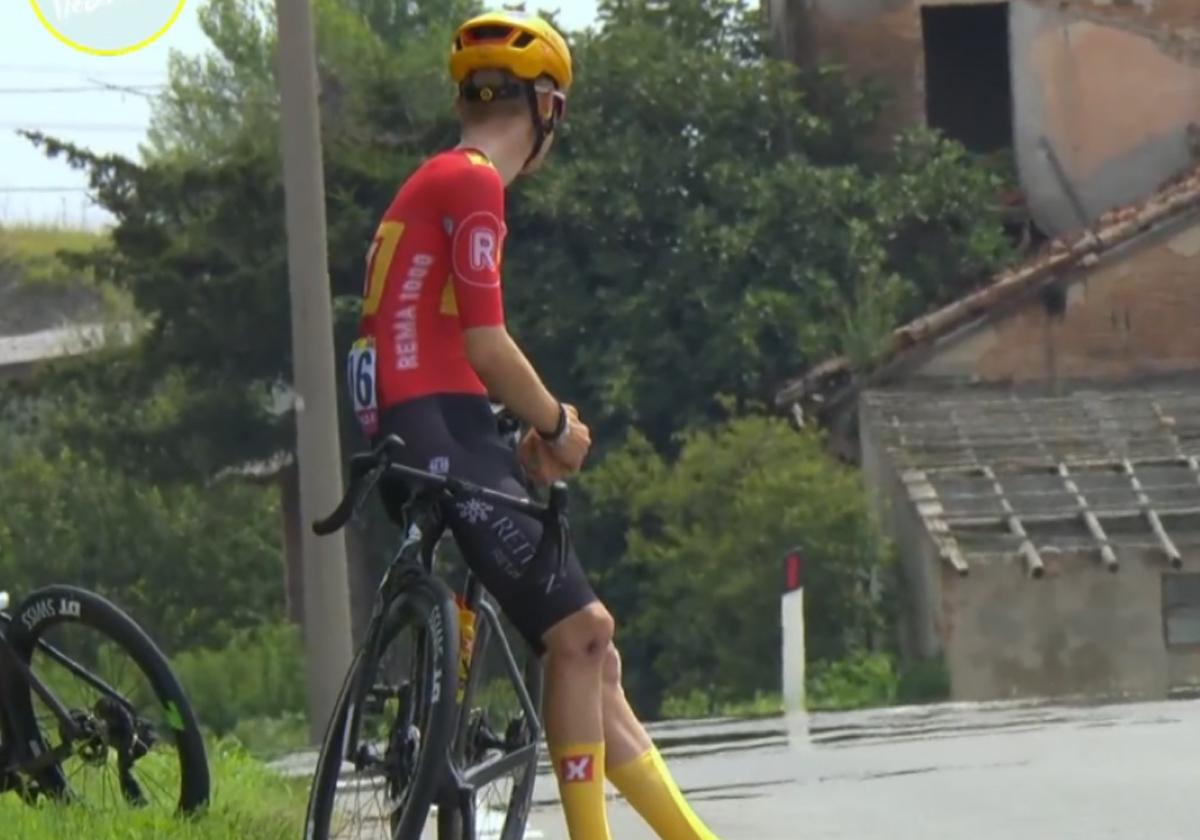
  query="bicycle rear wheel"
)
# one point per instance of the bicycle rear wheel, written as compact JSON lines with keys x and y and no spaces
{"x":141,"y":745}
{"x":386,"y":745}
{"x":496,"y":751}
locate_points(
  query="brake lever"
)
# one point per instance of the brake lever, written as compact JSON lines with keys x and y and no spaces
{"x":558,"y":500}
{"x":556,"y":509}
{"x":389,"y":448}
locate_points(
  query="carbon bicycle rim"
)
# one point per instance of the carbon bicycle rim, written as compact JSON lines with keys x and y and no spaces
{"x":385,"y":748}
{"x":139,"y":745}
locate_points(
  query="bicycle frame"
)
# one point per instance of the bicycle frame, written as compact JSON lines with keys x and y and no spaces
{"x":15,"y":675}
{"x":415,"y":559}
{"x":424,"y":528}
{"x":476,"y":777}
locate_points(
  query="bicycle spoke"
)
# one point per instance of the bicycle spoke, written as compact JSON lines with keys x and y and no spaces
{"x":496,"y":727}
{"x":385,"y":755}
{"x":94,"y":770}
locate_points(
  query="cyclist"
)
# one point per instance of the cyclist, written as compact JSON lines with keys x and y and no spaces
{"x":433,"y":348}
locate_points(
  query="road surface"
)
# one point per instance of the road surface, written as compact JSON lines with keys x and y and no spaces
{"x":969,"y":772}
{"x":949,"y":772}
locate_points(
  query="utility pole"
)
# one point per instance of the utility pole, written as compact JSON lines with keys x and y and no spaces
{"x":326,"y":593}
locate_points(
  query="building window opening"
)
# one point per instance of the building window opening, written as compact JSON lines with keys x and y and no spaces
{"x":1181,"y":609}
{"x":968,"y":82}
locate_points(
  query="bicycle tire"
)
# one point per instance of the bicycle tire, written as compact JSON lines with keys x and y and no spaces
{"x":521,"y":801}
{"x":427,"y":599}
{"x":450,"y":823}
{"x":54,"y":605}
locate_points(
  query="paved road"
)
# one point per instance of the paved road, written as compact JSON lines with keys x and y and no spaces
{"x":950,"y":772}
{"x":969,"y":772}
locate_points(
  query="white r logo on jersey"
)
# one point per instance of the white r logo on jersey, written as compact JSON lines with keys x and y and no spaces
{"x":483,"y":249}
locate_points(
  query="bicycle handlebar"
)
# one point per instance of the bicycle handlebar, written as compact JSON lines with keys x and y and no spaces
{"x":367,"y":468}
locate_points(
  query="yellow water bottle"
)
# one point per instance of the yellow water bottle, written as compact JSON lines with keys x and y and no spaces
{"x":466,"y":644}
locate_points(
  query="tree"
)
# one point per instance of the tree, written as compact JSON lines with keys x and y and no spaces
{"x":199,"y":242}
{"x":711,"y":214}
{"x":701,"y":573}
{"x":199,"y":239}
{"x":709,"y":219}
{"x":712,"y":221}
{"x":190,"y":563}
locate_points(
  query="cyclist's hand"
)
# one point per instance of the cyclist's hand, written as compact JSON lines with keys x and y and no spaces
{"x":573,"y":448}
{"x":538,"y":458}
{"x":547,"y":462}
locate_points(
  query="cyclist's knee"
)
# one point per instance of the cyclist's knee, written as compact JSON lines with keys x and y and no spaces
{"x":611,"y":673}
{"x":584,"y":636}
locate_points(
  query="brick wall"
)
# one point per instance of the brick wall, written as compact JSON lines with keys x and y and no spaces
{"x":1136,"y":314}
{"x":1078,"y":630}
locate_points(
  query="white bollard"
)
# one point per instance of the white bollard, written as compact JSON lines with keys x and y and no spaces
{"x":794,"y":709}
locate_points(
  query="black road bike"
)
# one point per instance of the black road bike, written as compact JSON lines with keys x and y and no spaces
{"x":90,"y":711}
{"x":429,"y":715}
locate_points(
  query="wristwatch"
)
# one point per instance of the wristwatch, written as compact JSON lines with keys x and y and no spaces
{"x":560,"y":430}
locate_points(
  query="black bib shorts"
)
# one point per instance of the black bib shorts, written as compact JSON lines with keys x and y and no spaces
{"x":456,"y":434}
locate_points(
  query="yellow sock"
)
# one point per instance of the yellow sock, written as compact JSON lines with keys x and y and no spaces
{"x":580,"y":772}
{"x":647,"y":785}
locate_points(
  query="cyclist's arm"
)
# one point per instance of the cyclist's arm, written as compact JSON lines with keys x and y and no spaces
{"x":476,"y":208}
{"x":509,"y":376}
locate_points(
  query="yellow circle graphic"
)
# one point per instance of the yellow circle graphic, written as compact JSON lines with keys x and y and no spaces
{"x":65,"y":9}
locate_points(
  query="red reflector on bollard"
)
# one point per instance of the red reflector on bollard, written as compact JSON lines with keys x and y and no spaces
{"x":792,"y":568}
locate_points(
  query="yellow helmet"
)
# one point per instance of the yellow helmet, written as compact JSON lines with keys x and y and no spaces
{"x":524,"y":45}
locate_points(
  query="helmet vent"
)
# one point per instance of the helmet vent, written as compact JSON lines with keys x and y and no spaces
{"x":489,"y":33}
{"x":523,"y":40}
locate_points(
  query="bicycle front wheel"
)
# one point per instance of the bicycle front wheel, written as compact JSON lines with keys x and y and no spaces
{"x":135,"y":742}
{"x":386,"y":746}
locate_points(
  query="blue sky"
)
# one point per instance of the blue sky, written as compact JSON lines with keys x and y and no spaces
{"x":39,"y":82}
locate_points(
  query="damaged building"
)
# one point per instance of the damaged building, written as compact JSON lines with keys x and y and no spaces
{"x":1033,"y":449}
{"x":1098,"y":100}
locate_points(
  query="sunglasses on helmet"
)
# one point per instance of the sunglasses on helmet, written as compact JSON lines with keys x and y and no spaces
{"x":558,"y":99}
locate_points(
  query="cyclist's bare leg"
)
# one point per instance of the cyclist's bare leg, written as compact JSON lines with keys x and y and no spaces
{"x":573,"y":715}
{"x":637,"y":770}
{"x":625,"y":738}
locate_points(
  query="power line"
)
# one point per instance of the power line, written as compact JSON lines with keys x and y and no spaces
{"x":51,"y":70}
{"x":269,"y":101}
{"x":149,"y":92}
{"x":42,"y":189}
{"x":134,"y":89}
{"x":115,"y":127}
{"x":94,"y":88}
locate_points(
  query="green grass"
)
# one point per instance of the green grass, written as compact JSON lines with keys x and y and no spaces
{"x":700,"y":704}
{"x":34,"y":251}
{"x":258,"y":674}
{"x":269,"y":738}
{"x":862,"y":680}
{"x":40,"y":242}
{"x":249,"y":801}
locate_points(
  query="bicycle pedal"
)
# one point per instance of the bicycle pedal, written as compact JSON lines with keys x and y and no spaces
{"x":367,"y":757}
{"x":378,"y":696}
{"x":488,"y":739}
{"x":491,"y":741}
{"x":516,"y":734}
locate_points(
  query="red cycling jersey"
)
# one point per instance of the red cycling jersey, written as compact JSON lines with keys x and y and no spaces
{"x":433,"y":270}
